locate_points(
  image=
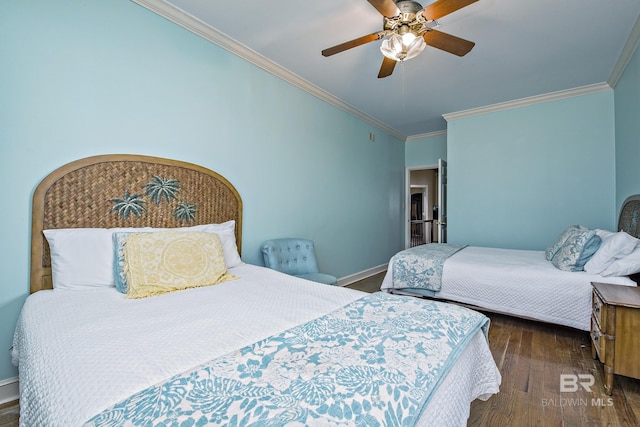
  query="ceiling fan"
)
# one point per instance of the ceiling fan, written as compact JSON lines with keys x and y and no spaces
{"x":409,"y":28}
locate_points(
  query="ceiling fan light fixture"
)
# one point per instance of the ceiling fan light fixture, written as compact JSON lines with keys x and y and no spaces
{"x":406,"y":29}
{"x":402,"y":47}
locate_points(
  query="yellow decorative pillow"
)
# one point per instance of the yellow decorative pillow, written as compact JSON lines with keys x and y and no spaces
{"x":166,"y":261}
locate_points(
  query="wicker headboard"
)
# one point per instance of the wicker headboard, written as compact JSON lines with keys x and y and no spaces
{"x":628,"y":221}
{"x":630,"y":216}
{"x":121,"y":190}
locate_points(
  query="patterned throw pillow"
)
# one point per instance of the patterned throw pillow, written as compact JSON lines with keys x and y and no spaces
{"x":555,"y":246}
{"x":225,"y":230}
{"x":166,"y":261}
{"x":119,"y":277}
{"x":577,"y":250}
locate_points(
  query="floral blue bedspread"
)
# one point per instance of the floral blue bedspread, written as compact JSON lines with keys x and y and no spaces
{"x":375,"y":361}
{"x":421,"y":267}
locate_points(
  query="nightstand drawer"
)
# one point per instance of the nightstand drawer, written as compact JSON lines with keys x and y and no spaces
{"x":615,"y":321}
{"x":597,"y":339}
{"x":599,"y":312}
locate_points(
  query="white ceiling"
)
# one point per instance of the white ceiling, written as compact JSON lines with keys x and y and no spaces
{"x":523,"y":48}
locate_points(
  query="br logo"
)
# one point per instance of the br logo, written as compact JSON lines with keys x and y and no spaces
{"x":573,"y":382}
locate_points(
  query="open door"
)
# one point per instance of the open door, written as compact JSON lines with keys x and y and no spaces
{"x":441,"y":221}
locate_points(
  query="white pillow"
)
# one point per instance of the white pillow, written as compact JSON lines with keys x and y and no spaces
{"x":227,"y":236}
{"x":625,"y":266}
{"x":79,"y":257}
{"x":82,"y":257}
{"x":614,"y":246}
{"x":225,"y":231}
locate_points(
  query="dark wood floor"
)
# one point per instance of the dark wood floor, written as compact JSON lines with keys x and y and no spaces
{"x":9,"y":414}
{"x":531,"y":356}
{"x":370,"y":284}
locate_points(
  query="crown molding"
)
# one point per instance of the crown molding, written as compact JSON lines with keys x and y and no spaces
{"x":190,"y":23}
{"x":426,"y":135}
{"x":523,"y":102}
{"x":621,"y":64}
{"x":625,"y":56}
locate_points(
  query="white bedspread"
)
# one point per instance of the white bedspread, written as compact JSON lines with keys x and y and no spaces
{"x":80,"y":352}
{"x":518,"y":282}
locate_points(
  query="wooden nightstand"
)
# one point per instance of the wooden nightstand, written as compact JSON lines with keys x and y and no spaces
{"x":615,"y":330}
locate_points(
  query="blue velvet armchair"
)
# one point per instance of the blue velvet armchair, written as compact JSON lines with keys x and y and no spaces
{"x":295,"y":257}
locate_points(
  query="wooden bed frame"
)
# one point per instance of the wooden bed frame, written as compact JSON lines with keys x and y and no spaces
{"x":125,"y":190}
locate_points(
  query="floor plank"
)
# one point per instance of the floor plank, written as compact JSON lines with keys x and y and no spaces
{"x":9,"y":414}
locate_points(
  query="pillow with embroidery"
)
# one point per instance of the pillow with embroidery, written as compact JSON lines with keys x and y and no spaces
{"x":555,"y":246}
{"x":225,"y":230}
{"x":167,"y":261}
{"x":576,"y":250}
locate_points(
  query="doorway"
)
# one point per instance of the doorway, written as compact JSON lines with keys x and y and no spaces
{"x":422,"y":198}
{"x":420,"y":227}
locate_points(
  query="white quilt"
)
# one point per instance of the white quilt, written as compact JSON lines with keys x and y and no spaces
{"x":518,"y":282}
{"x":79,"y":352}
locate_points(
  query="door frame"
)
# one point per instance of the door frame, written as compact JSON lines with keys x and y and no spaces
{"x":407,"y":200}
{"x":442,"y":200}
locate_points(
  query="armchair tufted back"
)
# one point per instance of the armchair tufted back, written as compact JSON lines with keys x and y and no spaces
{"x":290,"y":255}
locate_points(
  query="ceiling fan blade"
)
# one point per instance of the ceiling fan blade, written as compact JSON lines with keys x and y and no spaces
{"x":448,"y":43}
{"x":387,"y":67}
{"x":386,"y":7}
{"x":353,"y":43}
{"x":441,"y":8}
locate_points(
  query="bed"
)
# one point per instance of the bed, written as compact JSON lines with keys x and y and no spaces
{"x":260,"y":347}
{"x":524,"y":283}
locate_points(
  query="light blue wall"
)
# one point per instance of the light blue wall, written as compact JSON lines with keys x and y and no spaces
{"x":518,"y":177}
{"x":627,"y":111}
{"x":84,"y":78}
{"x":425,"y":151}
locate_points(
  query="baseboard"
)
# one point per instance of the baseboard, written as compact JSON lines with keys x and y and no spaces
{"x":352,"y":278}
{"x":9,"y":390}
